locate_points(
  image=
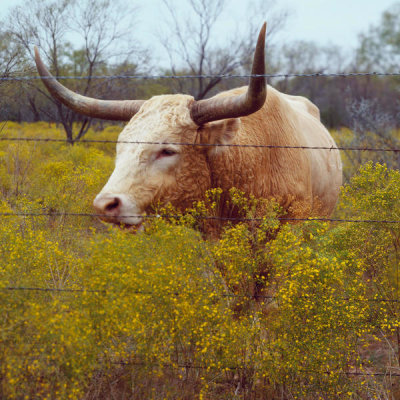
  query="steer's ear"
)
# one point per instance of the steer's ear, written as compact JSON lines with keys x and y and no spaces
{"x":219,"y":133}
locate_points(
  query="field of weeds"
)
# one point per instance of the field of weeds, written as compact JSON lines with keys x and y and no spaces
{"x":267,"y":311}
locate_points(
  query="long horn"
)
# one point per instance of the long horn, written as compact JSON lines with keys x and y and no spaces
{"x":120,"y":110}
{"x":214,"y":109}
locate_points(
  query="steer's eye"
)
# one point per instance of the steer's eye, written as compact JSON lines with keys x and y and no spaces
{"x":166,"y":153}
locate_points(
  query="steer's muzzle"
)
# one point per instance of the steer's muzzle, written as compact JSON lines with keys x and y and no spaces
{"x":117,"y":208}
{"x":108,"y":205}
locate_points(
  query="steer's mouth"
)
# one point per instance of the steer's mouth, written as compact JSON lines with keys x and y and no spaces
{"x":129,"y":227}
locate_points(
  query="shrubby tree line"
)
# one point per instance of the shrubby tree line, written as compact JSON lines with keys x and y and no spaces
{"x":100,"y":37}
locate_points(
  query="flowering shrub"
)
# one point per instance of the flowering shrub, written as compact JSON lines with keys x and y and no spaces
{"x":262,"y":310}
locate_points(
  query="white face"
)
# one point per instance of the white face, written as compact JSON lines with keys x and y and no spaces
{"x":143,"y":171}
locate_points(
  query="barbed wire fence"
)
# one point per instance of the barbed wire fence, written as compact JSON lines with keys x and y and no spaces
{"x":206,"y":76}
{"x":388,"y":373}
{"x":265,"y":146}
{"x":153,"y":294}
{"x":227,"y":76}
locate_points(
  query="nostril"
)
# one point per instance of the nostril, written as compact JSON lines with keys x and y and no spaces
{"x":113,"y":204}
{"x":117,"y":208}
{"x":107,"y":205}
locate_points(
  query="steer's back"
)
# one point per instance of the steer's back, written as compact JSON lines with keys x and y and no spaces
{"x":304,"y":179}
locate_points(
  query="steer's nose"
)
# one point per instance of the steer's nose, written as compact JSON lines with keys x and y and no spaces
{"x":108,"y":205}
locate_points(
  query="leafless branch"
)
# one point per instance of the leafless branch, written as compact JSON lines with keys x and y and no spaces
{"x":191,"y":40}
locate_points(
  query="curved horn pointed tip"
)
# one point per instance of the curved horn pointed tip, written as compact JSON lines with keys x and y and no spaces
{"x":263,"y":28}
{"x":260,"y":46}
{"x":36,"y":50}
{"x":39,"y":63}
{"x":261,"y":35}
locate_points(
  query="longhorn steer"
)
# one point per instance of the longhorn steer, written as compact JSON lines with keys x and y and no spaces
{"x":303,"y":180}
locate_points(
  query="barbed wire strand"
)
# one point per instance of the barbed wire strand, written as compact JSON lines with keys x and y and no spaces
{"x":243,"y":367}
{"x":200,"y":217}
{"x":148,"y":293}
{"x":171,"y":365}
{"x":204,"y":76}
{"x":267,"y":146}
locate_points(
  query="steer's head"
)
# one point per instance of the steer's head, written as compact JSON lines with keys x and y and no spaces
{"x":171,"y":135}
{"x":158,"y":168}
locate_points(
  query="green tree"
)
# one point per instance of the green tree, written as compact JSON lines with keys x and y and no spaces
{"x":380,"y":47}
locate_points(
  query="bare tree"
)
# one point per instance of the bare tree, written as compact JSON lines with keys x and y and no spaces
{"x":372,"y":127}
{"x":192,"y":46}
{"x":98,"y":26}
{"x":10,"y":60}
{"x":11,"y":65}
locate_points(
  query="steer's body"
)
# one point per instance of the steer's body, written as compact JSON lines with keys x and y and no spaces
{"x":303,"y":181}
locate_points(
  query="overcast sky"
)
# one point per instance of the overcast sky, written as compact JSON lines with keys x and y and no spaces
{"x":324,"y":21}
{"x":336,"y":21}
